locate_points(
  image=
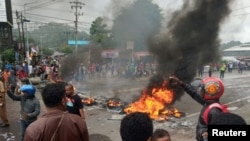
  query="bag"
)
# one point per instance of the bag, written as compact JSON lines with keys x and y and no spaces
{"x":58,"y":125}
{"x":222,"y":107}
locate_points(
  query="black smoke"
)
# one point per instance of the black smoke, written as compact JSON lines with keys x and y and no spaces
{"x":191,"y":40}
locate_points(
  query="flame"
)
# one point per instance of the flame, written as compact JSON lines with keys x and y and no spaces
{"x":88,"y":101}
{"x":155,"y":104}
{"x":112,"y":103}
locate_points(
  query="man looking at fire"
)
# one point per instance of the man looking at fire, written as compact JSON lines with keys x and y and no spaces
{"x":74,"y":102}
{"x":208,"y":93}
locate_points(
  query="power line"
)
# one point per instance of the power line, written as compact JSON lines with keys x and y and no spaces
{"x":44,"y":4}
{"x":37,"y":15}
{"x":49,"y":17}
{"x":53,"y":9}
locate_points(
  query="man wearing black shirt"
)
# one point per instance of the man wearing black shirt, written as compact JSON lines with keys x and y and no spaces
{"x":74,"y":102}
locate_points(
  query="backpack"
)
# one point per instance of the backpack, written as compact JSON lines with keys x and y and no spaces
{"x":222,"y":107}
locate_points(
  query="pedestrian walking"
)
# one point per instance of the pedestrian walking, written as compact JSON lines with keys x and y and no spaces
{"x":57,"y":124}
{"x":200,"y":71}
{"x":222,"y":70}
{"x":12,"y":80}
{"x":240,"y":67}
{"x":29,"y":104}
{"x":210,"y":70}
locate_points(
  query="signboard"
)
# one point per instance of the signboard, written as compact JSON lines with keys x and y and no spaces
{"x":3,"y":11}
{"x":110,"y":54}
{"x":142,"y":53}
{"x":130,"y":45}
{"x":79,"y":42}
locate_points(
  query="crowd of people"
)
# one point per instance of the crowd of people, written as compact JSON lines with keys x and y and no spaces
{"x":65,"y":120}
{"x":224,"y":67}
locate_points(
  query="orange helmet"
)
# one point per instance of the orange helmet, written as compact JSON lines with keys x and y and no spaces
{"x":213,"y":88}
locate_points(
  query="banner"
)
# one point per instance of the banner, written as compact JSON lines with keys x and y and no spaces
{"x":110,"y":54}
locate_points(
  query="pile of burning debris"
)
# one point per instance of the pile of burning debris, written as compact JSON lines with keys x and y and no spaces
{"x":115,"y":105}
{"x":156,"y":102}
{"x":118,"y":109}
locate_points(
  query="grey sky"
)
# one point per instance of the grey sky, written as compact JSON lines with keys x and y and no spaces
{"x":235,"y":27}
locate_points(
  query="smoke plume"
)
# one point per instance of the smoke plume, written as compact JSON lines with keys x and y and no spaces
{"x":192,"y":38}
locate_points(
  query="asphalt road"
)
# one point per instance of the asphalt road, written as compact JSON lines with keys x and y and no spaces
{"x":103,"y":124}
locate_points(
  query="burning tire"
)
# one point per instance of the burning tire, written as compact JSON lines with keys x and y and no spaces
{"x":115,"y":105}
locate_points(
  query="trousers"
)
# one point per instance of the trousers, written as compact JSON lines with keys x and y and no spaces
{"x":3,"y":113}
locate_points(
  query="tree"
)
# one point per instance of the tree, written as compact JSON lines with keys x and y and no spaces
{"x":8,"y":56}
{"x":56,"y":34}
{"x":136,"y":23}
{"x":47,"y":51}
{"x":99,"y":33}
{"x":66,"y":49}
{"x":230,"y":44}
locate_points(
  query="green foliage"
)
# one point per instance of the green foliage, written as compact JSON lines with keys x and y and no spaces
{"x":136,"y":23}
{"x":47,"y":51}
{"x":99,"y":33}
{"x":8,"y":56}
{"x":54,"y":35}
{"x":31,"y":40}
{"x":230,"y":44}
{"x":66,"y":49}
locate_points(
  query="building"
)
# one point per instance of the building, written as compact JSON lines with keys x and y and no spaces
{"x":6,"y":25}
{"x":241,"y":52}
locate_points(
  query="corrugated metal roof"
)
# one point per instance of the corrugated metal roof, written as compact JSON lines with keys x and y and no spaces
{"x":243,"y":47}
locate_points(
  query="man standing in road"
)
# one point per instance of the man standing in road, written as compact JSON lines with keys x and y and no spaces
{"x":74,"y":102}
{"x":222,"y":70}
{"x":3,"y":113}
{"x":57,"y":124}
{"x":29,"y":104}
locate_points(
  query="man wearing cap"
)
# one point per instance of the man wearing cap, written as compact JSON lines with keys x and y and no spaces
{"x":30,"y":105}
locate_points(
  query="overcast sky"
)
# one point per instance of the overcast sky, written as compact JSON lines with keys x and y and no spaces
{"x":236,"y":27}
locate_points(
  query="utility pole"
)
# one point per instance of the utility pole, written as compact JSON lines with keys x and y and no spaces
{"x":27,"y":49}
{"x":20,"y":20}
{"x":20,"y":46}
{"x":75,"y":5}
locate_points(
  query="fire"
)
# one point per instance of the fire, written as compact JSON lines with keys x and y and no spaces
{"x":155,"y":104}
{"x":114,"y":103}
{"x":88,"y":101}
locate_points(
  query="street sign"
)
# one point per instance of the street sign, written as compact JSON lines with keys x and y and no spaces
{"x":130,"y":45}
{"x":79,"y":42}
